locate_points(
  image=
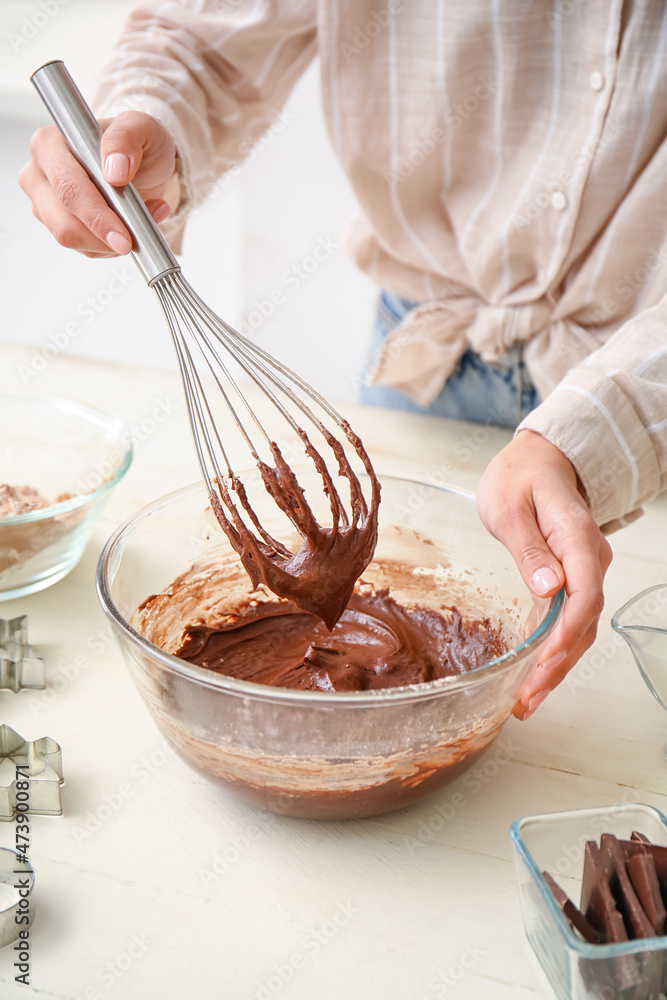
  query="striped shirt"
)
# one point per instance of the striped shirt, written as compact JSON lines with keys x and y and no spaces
{"x":510,"y":164}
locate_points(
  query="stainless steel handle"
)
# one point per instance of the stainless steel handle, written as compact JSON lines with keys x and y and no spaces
{"x":82,"y":131}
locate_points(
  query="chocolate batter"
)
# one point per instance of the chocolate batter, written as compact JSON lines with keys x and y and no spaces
{"x":208,"y":616}
{"x":376,"y":643}
{"x":320,"y":576}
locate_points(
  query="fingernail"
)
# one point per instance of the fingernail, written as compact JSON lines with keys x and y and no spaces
{"x":162,"y":212}
{"x":536,"y":701}
{"x":117,"y":168}
{"x":118,"y":242}
{"x":553,"y":661}
{"x":543,"y":580}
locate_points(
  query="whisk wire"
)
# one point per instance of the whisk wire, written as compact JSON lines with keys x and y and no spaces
{"x":234,"y":343}
{"x":200,"y":338}
{"x":196,"y":401}
{"x":253,"y":359}
{"x":241,"y":351}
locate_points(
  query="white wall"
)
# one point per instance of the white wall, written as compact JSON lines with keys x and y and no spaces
{"x":261,"y":224}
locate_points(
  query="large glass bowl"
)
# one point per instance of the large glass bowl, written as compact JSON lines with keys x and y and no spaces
{"x":327,"y":754}
{"x":60,"y":448}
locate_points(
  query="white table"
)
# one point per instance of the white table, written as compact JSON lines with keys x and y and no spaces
{"x":156,"y":884}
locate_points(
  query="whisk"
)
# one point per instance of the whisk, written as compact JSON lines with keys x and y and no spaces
{"x":319,"y":577}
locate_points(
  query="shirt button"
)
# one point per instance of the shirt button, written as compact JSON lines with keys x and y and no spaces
{"x":559,"y":201}
{"x":597,"y":80}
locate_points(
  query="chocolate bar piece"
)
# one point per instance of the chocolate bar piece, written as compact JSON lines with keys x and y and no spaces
{"x":623,"y":898}
{"x":632,"y":847}
{"x":599,"y":905}
{"x":659,"y":855}
{"x":574,"y":915}
{"x":637,"y":923}
{"x":597,"y":901}
{"x":644,"y":878}
{"x":640,"y":844}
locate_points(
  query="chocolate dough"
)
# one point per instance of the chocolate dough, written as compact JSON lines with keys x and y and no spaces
{"x":377,"y":643}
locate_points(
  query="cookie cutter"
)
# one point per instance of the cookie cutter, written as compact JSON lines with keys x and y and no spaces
{"x":17,"y":879}
{"x":41,"y":765}
{"x":20,"y":667}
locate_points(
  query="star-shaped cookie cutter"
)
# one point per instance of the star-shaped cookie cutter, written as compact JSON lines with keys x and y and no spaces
{"x":39,"y":763}
{"x":20,"y":668}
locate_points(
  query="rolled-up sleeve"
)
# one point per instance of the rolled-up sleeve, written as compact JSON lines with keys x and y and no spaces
{"x":214,"y":74}
{"x":609,"y":417}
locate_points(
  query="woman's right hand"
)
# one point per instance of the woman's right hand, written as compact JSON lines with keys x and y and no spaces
{"x":135,"y":147}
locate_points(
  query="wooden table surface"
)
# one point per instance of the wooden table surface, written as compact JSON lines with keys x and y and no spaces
{"x":171,"y":888}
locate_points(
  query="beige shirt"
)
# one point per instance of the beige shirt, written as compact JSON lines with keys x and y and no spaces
{"x":510,"y":163}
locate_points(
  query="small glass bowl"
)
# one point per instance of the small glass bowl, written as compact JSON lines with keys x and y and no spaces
{"x":57,"y":447}
{"x":324,"y":754}
{"x":555,"y":842}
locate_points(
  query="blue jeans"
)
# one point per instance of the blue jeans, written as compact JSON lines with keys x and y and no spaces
{"x":498,"y":393}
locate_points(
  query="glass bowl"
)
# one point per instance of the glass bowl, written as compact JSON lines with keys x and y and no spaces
{"x":555,"y":842}
{"x":642,"y":622}
{"x":326,"y":754}
{"x":59,"y":448}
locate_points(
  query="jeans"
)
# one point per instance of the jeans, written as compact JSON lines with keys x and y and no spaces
{"x":498,"y":393}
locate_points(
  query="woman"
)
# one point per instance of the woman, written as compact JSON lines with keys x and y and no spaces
{"x":507,"y":160}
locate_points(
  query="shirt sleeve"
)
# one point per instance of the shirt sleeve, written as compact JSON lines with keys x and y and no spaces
{"x":609,"y":417}
{"x":214,"y":74}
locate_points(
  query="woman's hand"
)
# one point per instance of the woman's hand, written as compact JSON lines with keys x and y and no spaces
{"x":529,"y":500}
{"x":135,"y":147}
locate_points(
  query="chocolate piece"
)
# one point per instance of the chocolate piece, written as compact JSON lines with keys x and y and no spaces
{"x":599,"y":905}
{"x":574,"y":916}
{"x":657,"y":852}
{"x":631,"y":848}
{"x":640,"y":838}
{"x":597,"y":901}
{"x":636,"y":921}
{"x":659,"y":855}
{"x":321,"y":575}
{"x":621,"y":898}
{"x":641,"y":869}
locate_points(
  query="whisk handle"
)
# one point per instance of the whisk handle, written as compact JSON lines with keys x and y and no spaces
{"x":82,"y":131}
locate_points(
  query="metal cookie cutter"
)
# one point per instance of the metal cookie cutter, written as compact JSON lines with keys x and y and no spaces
{"x":42,"y":768}
{"x":16,"y":883}
{"x":20,"y":667}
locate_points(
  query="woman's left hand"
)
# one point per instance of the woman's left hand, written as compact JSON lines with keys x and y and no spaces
{"x":528,"y":498}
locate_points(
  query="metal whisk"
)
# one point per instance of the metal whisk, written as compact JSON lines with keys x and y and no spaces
{"x":320,"y":576}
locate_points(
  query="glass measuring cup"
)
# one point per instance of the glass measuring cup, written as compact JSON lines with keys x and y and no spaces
{"x":642,"y":622}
